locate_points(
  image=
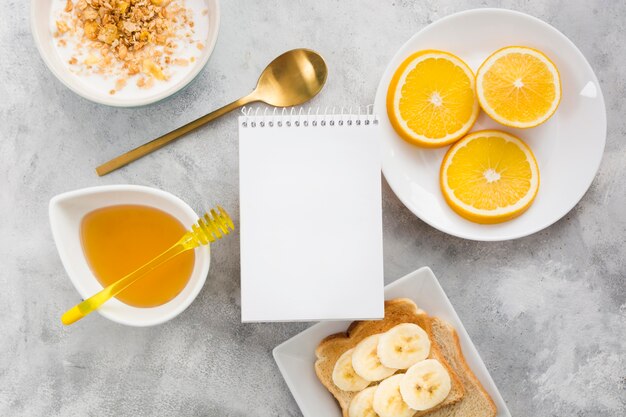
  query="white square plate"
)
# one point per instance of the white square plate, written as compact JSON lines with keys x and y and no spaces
{"x":296,"y":356}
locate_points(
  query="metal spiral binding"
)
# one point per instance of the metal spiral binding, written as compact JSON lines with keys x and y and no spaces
{"x":264,"y":116}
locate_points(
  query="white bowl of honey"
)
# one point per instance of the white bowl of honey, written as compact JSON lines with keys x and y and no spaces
{"x":103,"y":233}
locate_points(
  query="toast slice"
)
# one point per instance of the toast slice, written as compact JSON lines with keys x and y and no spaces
{"x":476,"y":402}
{"x":397,"y":311}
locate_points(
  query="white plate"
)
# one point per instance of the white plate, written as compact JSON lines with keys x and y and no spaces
{"x":568,"y":147}
{"x":96,"y":90}
{"x":296,"y":356}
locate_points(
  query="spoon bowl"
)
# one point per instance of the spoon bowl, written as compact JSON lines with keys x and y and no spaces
{"x":291,"y":79}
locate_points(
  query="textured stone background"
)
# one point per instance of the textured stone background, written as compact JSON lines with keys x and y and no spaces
{"x":547,"y":312}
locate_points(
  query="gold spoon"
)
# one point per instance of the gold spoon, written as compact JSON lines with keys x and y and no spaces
{"x":289,"y":80}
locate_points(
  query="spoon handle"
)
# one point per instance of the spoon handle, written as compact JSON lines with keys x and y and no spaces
{"x":160,"y":142}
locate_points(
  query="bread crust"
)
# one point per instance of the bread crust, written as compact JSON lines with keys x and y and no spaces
{"x":397,"y":311}
{"x":475,"y":394}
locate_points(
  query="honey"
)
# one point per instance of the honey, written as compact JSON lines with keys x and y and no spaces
{"x":119,"y":239}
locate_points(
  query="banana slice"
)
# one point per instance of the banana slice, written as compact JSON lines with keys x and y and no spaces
{"x":388,"y":400}
{"x":403,"y":345}
{"x":345,"y":377}
{"x":366,"y":362}
{"x":361,"y":404}
{"x":425,"y":384}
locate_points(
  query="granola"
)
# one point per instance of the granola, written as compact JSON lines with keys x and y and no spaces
{"x":126,"y":38}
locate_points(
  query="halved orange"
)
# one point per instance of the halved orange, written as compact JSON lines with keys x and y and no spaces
{"x":518,"y":87}
{"x":489,"y":177}
{"x":431,"y":100}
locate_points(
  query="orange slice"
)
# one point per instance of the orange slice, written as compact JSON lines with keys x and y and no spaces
{"x":518,"y":87}
{"x":489,"y":177}
{"x":431,"y":100}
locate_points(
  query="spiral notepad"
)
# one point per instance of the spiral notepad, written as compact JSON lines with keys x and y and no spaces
{"x":310,"y":219}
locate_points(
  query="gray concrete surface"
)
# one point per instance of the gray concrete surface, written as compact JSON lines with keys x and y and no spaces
{"x":546,"y":312}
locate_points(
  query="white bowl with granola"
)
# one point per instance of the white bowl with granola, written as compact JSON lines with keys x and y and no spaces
{"x":125,"y":53}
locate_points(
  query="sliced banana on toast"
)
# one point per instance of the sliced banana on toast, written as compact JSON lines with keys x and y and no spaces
{"x":362,"y":405}
{"x":403,"y":346}
{"x":366,"y":362}
{"x":388,"y":400}
{"x":344,"y":375}
{"x":425,"y":384}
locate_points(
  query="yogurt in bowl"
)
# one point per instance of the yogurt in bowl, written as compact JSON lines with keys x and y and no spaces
{"x":144,"y":58}
{"x":67,"y":211}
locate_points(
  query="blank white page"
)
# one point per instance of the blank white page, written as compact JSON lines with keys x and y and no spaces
{"x":310,"y":220}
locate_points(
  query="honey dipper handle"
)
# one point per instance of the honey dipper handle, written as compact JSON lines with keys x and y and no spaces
{"x":94,"y":302}
{"x":160,"y":142}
